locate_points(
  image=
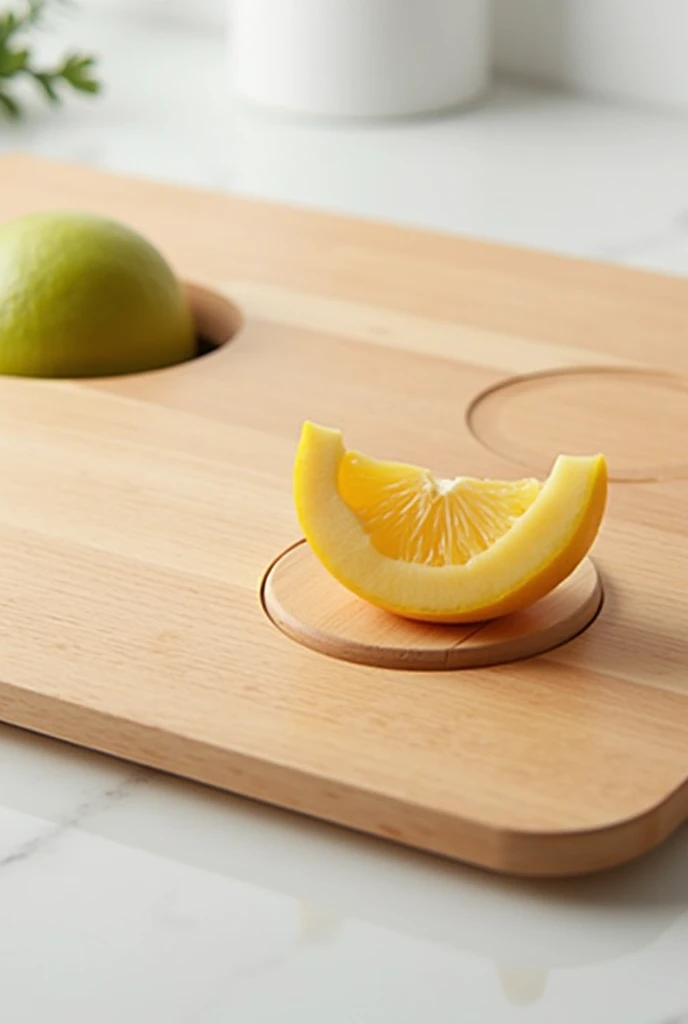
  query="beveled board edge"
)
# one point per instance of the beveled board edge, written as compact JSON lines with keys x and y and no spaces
{"x":518,"y":853}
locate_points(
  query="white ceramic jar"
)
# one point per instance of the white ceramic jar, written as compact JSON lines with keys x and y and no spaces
{"x":360,"y":58}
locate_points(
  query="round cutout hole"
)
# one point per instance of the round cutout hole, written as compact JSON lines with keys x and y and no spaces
{"x":309,"y":606}
{"x":637,"y":418}
{"x":216,"y":319}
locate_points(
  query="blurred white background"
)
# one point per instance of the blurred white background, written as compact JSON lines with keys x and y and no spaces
{"x":632,"y":49}
{"x":533,"y":164}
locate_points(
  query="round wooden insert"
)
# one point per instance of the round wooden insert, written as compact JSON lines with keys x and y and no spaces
{"x":637,"y":418}
{"x":306,"y":603}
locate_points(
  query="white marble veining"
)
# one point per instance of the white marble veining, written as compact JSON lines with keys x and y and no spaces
{"x":131,"y":897}
{"x":128,"y":896}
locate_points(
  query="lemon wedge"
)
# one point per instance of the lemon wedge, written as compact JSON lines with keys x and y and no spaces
{"x":461,"y":550}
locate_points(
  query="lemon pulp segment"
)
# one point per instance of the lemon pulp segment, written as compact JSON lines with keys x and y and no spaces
{"x":413,"y":517}
{"x":457,"y":550}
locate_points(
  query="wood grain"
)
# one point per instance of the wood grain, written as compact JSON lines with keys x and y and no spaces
{"x":138,"y":516}
{"x":307,"y":604}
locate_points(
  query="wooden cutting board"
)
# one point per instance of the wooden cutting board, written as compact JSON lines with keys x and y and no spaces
{"x":140,"y":515}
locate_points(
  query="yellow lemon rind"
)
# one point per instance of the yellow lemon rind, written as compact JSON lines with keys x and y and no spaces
{"x":538,"y":552}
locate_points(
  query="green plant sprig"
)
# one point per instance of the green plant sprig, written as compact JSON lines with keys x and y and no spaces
{"x":16,"y":60}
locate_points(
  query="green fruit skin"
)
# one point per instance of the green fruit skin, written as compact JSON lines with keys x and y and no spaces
{"x":84,"y":296}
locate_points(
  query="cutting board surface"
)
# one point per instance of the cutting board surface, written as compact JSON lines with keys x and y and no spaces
{"x":139,"y":516}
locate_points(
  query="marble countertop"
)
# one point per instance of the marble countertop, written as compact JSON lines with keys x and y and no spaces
{"x":128,"y":896}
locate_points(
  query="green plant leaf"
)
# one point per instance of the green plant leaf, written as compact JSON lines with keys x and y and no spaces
{"x":35,"y":11}
{"x":76,"y":70}
{"x":12,"y":61}
{"x":10,"y":106}
{"x":46,"y":82}
{"x":8,"y":26}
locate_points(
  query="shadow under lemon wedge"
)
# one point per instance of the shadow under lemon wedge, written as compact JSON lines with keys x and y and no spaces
{"x":461,"y":550}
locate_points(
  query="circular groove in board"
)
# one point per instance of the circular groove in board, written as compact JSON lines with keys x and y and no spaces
{"x":308,"y":605}
{"x":532,"y":418}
